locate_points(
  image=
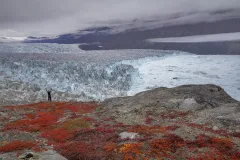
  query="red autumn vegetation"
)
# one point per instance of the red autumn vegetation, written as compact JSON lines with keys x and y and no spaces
{"x":16,"y":146}
{"x":132,"y":151}
{"x":57,"y":135}
{"x":220,"y":132}
{"x":77,"y":150}
{"x":46,"y":115}
{"x":174,"y":114}
{"x":77,"y":132}
{"x":43,"y":121}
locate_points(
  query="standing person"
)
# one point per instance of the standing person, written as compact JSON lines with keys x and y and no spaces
{"x":49,"y":90}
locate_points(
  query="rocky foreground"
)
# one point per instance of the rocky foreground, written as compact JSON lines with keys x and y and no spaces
{"x":188,"y":122}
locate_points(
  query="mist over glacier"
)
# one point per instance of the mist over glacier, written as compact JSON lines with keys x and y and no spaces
{"x":97,"y":75}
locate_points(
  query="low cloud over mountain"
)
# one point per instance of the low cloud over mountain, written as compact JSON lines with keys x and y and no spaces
{"x":54,"y":17}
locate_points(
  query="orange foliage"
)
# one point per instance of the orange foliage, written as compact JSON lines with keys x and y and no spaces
{"x":132,"y":151}
{"x":148,"y":130}
{"x":164,"y":147}
{"x":227,"y":143}
{"x":110,"y":147}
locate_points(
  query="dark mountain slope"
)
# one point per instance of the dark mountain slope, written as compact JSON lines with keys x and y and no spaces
{"x":103,"y":38}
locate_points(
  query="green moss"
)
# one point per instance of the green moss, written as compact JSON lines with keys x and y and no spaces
{"x":98,"y":109}
{"x":75,"y":124}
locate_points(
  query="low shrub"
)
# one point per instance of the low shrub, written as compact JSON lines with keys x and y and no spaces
{"x":78,"y":151}
{"x":74,"y":124}
{"x":58,"y":135}
{"x":17,"y":146}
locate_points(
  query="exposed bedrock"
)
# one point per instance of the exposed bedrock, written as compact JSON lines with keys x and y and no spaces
{"x":210,"y":103}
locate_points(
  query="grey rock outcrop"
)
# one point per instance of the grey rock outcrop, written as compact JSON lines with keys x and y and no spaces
{"x":209,"y":102}
{"x":209,"y":96}
{"x":47,"y":155}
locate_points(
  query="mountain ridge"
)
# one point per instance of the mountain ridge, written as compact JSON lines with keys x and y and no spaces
{"x":101,"y":39}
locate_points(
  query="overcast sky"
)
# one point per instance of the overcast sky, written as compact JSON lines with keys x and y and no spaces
{"x":53,"y":17}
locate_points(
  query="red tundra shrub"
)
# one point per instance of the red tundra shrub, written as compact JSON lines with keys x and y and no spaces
{"x":97,"y":136}
{"x":174,"y":114}
{"x":209,"y":154}
{"x":209,"y":129}
{"x":236,"y":134}
{"x":78,"y":151}
{"x":57,"y":135}
{"x":30,"y":116}
{"x":172,"y":128}
{"x":40,"y":123}
{"x":89,"y":119}
{"x":132,"y":151}
{"x":16,"y":146}
{"x":166,"y":146}
{"x":225,"y":146}
{"x":111,"y":147}
{"x":112,"y":151}
{"x":78,"y":107}
{"x":221,"y":148}
{"x":148,"y":120}
{"x":202,"y":140}
{"x":222,"y":142}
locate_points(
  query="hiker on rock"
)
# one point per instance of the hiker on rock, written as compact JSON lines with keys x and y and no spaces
{"x":49,"y":90}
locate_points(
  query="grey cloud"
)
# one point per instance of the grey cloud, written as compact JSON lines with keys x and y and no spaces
{"x":46,"y":17}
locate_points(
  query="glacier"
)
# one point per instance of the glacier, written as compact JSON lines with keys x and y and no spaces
{"x":27,"y":69}
{"x":176,"y":70}
{"x":38,"y":48}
